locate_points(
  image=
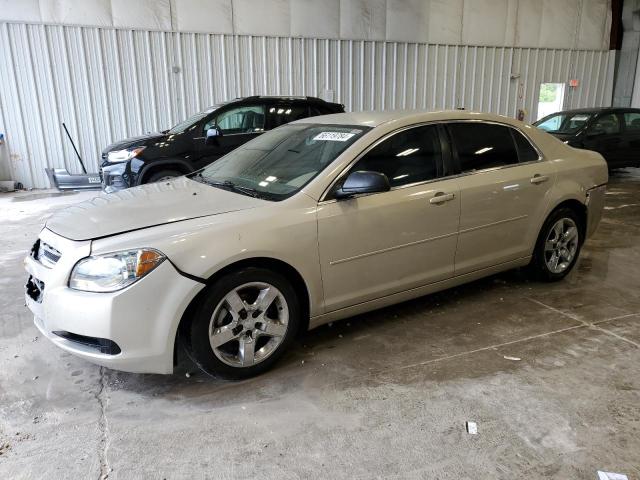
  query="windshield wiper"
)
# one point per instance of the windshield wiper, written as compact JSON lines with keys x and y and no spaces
{"x":228,"y":185}
{"x":238,"y":188}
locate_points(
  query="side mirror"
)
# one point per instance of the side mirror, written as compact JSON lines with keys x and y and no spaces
{"x":363,"y":182}
{"x":212,"y":136}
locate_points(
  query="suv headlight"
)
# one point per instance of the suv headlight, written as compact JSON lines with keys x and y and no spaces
{"x":114,"y":271}
{"x":124,"y":155}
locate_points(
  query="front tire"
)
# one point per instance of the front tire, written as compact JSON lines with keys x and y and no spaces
{"x":246,"y":322}
{"x":163,"y":175}
{"x":558,"y":245}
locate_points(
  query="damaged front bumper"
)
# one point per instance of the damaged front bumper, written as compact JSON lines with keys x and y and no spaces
{"x":61,"y":179}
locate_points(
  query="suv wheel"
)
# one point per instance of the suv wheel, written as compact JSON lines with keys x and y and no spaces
{"x":163,"y":175}
{"x":247,"y":321}
{"x":558,"y":245}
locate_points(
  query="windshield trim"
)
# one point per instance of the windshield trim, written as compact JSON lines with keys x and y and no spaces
{"x":201,"y":115}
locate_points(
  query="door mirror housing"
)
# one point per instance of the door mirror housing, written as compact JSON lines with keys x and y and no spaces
{"x":363,"y":182}
{"x":213,"y":134}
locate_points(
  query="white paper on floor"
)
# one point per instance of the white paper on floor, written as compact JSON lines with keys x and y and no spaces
{"x":472,"y":428}
{"x":611,"y":476}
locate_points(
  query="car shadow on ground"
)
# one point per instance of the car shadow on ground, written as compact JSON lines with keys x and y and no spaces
{"x":473,"y":317}
{"x":362,"y":345}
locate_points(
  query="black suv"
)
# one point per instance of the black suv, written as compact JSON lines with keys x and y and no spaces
{"x":201,"y":139}
{"x":612,"y":132}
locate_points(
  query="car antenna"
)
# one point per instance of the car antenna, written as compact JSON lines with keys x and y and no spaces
{"x":84,"y":170}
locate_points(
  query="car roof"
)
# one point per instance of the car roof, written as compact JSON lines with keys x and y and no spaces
{"x":598,"y":110}
{"x":268,"y":98}
{"x":376,"y":118}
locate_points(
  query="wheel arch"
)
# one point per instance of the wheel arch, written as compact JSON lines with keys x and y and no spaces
{"x":283,"y":268}
{"x":170,"y":163}
{"x":577,"y":206}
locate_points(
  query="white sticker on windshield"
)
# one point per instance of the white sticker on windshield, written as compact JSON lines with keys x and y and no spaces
{"x":580,"y":118}
{"x":334,"y":136}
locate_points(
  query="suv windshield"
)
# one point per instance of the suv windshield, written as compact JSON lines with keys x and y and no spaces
{"x":193,"y":119}
{"x":279,"y":163}
{"x":564,"y":122}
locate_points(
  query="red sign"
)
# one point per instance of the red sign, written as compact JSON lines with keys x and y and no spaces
{"x":573,"y":83}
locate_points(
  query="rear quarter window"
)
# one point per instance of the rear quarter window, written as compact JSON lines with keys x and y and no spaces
{"x":526,"y":152}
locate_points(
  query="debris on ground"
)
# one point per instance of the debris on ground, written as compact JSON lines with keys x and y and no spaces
{"x":515,"y":359}
{"x":611,"y":476}
{"x":4,"y":448}
{"x":472,"y":428}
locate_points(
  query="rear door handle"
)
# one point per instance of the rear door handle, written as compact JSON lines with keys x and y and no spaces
{"x":441,"y":197}
{"x":537,"y":178}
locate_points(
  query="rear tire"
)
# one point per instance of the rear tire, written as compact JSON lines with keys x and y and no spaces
{"x":245,"y":323}
{"x":558,"y":245}
{"x":163,"y":175}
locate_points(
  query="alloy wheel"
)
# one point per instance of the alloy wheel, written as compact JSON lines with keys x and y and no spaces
{"x":248,"y":324}
{"x":561,"y":245}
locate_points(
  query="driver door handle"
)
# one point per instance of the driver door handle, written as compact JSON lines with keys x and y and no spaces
{"x":537,"y":178}
{"x":441,"y":197}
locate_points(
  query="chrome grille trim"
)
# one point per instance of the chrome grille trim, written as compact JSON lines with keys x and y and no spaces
{"x":47,"y":255}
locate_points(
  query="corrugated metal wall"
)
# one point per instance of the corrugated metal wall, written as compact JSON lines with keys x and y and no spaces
{"x":107,"y":84}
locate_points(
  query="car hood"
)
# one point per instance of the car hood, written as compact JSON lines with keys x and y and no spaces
{"x":142,"y":140}
{"x":146,"y":206}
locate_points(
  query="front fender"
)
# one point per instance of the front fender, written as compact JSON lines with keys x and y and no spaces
{"x":284,"y":231}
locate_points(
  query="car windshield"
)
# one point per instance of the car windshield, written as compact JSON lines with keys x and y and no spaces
{"x":279,"y":163}
{"x":192,"y":120}
{"x":564,"y":122}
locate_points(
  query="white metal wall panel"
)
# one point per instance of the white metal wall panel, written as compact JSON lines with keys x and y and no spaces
{"x":578,"y":24}
{"x":108,"y":84}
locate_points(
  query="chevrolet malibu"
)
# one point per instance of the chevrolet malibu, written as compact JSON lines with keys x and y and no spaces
{"x":312,"y":222}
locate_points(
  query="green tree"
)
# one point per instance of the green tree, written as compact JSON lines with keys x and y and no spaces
{"x":548,"y":92}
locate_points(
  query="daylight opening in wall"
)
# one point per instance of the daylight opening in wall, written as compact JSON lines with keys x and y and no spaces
{"x":550,"y":99}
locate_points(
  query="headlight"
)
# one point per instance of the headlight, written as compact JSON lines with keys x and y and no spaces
{"x":113,"y":271}
{"x":124,"y":155}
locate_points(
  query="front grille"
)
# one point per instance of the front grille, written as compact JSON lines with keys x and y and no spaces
{"x":45,"y":254}
{"x":103,"y":345}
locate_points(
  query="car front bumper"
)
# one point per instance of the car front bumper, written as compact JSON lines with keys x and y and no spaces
{"x":132,"y":329}
{"x":115,"y":177}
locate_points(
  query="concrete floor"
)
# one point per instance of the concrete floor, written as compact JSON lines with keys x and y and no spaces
{"x":551,"y":374}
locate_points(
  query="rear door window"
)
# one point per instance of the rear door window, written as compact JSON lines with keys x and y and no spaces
{"x":282,"y":113}
{"x":632,"y":121}
{"x":315,"y":110}
{"x":480,"y":146}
